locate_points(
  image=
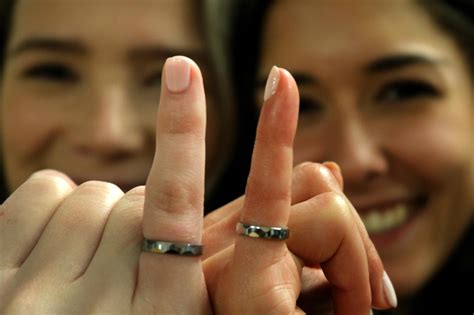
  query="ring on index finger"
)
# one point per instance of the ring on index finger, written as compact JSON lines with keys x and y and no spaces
{"x":265,"y":232}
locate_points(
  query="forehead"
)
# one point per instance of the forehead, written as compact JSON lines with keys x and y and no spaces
{"x":357,"y":30}
{"x":174,"y":23}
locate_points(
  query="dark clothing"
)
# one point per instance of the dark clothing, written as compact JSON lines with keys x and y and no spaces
{"x":451,"y":291}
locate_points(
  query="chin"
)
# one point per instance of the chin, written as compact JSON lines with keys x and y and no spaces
{"x":409,"y":276}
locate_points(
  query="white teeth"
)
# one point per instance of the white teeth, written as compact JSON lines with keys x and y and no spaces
{"x":377,"y":221}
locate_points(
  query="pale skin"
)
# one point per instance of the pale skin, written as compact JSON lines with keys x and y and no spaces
{"x":94,"y":274}
{"x":78,"y":249}
{"x":82,"y":98}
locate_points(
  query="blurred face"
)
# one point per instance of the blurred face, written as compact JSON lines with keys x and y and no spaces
{"x":387,"y":95}
{"x":82,"y":84}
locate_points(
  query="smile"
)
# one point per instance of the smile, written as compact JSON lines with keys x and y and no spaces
{"x":378,"y":221}
{"x":382,"y":220}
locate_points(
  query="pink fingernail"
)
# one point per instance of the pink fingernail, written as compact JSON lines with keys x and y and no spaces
{"x":272,"y":83}
{"x":177,"y":74}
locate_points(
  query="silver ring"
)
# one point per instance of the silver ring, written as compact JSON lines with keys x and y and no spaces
{"x":266,"y":232}
{"x":161,"y":247}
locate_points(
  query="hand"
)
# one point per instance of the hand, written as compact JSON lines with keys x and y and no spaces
{"x":327,"y":234}
{"x":70,"y":249}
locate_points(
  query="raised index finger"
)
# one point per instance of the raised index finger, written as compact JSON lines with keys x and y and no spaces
{"x":174,"y":196}
{"x":175,"y":185}
{"x":268,"y":193}
{"x":262,"y":277}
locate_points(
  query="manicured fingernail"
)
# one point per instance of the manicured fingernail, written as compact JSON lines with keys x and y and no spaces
{"x":370,"y":312}
{"x":177,"y":74}
{"x":272,"y":83}
{"x":389,"y":291}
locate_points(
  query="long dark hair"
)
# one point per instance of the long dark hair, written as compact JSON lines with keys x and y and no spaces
{"x":6,"y":19}
{"x":455,"y":18}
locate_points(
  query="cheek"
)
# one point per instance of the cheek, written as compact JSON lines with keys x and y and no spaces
{"x":310,"y":145}
{"x":28,"y":129}
{"x":434,"y":147}
{"x":26,"y":126}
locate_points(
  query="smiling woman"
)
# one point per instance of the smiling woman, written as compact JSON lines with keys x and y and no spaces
{"x":81,"y":98}
{"x":79,"y":92}
{"x":386,"y":91}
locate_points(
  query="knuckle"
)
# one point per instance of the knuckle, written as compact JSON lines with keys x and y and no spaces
{"x":136,"y":191}
{"x":100,"y":189}
{"x":127,"y":215}
{"x":44,"y":183}
{"x":309,"y":173}
{"x":53,"y":188}
{"x":181,"y":122}
{"x":50,"y":173}
{"x":338,"y":210}
{"x":263,"y":192}
{"x":88,"y":205}
{"x":175,"y":197}
{"x":302,"y":166}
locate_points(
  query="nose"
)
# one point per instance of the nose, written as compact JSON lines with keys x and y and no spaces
{"x":359,"y":152}
{"x":110,"y":129}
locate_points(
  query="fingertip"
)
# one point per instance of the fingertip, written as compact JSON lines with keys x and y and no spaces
{"x":389,"y":291}
{"x":175,"y":184}
{"x":178,"y":74}
{"x":288,"y":77}
{"x":384,"y":295}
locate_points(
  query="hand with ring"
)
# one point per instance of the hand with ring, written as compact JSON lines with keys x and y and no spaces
{"x":265,"y":275}
{"x":68,"y":249}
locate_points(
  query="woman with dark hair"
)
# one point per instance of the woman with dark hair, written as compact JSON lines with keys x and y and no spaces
{"x":386,"y":91}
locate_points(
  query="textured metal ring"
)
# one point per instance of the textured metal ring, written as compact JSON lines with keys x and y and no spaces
{"x":266,"y":232}
{"x":161,"y":247}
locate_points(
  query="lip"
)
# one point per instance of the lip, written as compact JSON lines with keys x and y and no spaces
{"x":415,"y":201}
{"x":389,"y":238}
{"x":381,"y":204}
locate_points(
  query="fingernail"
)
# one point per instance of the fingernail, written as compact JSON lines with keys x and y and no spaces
{"x":272,"y":83}
{"x":177,"y":74}
{"x":389,"y":291}
{"x":371,"y":312}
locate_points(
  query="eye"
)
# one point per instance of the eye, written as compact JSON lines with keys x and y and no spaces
{"x":153,"y":79}
{"x":406,"y":90}
{"x":51,"y":72}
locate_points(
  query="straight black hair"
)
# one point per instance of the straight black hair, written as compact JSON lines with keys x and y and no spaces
{"x":6,"y":19}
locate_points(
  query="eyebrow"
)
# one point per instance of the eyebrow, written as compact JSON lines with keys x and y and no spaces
{"x":49,"y":44}
{"x":75,"y":47}
{"x":300,"y":78}
{"x":395,"y":62}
